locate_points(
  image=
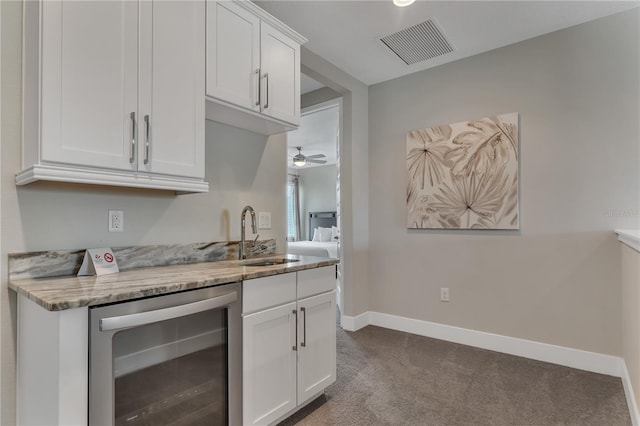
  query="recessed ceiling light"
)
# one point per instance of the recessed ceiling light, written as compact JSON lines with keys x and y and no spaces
{"x":403,"y":3}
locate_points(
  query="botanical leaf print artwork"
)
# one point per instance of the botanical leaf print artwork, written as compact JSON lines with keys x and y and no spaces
{"x":464,"y":175}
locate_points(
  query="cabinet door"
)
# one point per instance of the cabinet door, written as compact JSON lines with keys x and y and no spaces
{"x":89,"y":75}
{"x":317,"y":337}
{"x":280,"y":61}
{"x":233,"y":54}
{"x":268,"y":364}
{"x":171,"y":121}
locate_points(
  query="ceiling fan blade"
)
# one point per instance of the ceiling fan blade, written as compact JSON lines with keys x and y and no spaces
{"x":316,"y":161}
{"x":315,"y":156}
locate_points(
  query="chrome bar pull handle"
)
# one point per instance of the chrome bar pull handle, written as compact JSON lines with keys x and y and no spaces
{"x":294,"y":312}
{"x":304,"y":327}
{"x":132,"y":156}
{"x":146,"y":137}
{"x":259,"y":101}
{"x":266,"y":76}
{"x":142,"y":318}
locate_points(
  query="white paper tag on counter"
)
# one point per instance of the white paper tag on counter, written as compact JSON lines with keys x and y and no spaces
{"x":100,"y":261}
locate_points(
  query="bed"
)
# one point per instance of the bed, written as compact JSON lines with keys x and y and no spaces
{"x":313,"y":248}
{"x":316,"y":248}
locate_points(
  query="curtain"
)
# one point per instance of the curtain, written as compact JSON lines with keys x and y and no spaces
{"x":293,"y":209}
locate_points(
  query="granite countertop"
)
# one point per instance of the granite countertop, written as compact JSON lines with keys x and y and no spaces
{"x":66,"y":292}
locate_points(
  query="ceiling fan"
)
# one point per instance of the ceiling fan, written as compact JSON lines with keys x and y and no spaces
{"x":300,"y":160}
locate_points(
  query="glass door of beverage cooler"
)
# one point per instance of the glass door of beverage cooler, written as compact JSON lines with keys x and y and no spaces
{"x":167,"y":360}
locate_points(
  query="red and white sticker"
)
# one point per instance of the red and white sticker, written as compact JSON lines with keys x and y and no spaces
{"x":98,"y":261}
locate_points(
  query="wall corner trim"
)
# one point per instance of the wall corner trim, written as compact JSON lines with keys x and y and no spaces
{"x":630,"y":394}
{"x":568,"y":357}
{"x":355,"y":323}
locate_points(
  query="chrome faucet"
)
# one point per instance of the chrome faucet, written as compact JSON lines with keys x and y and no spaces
{"x":241,"y":253}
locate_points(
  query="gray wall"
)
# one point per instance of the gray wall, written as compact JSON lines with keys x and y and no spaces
{"x":241,"y":167}
{"x":557,"y":280}
{"x":317,"y":192}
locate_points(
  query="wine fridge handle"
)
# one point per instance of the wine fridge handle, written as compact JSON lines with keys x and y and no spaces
{"x":142,"y":318}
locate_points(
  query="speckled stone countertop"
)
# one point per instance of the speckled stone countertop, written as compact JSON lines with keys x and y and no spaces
{"x":66,"y":292}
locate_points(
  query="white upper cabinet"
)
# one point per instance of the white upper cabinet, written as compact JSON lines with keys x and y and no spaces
{"x":171,"y":121}
{"x":89,"y":57}
{"x":233,"y":54}
{"x":113,"y":93}
{"x":253,"y":68}
{"x":280,"y":61}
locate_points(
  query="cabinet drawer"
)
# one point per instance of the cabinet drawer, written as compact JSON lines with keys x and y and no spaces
{"x":266,"y":292}
{"x":316,"y":281}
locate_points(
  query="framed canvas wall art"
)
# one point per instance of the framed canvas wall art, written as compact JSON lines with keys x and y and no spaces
{"x":464,"y":175}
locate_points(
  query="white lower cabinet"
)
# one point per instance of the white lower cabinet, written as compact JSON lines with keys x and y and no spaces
{"x":269,"y":364}
{"x":289,"y":342}
{"x":317,"y":353}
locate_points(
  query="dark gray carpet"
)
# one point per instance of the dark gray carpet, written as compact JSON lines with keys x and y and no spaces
{"x":387,"y":377}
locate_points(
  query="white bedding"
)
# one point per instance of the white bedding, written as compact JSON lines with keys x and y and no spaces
{"x":313,"y":248}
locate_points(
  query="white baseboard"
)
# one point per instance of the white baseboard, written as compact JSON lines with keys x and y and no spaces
{"x":630,"y":395}
{"x":568,"y":357}
{"x":157,"y":354}
{"x":354,"y":323}
{"x":574,"y":358}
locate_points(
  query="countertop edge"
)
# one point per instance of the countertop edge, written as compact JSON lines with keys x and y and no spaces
{"x":629,"y":237}
{"x":243,"y":273}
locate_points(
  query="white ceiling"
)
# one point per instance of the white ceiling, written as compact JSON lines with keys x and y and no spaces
{"x":347,"y":33}
{"x":317,"y":134}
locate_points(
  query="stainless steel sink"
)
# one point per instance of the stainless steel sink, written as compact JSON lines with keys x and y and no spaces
{"x":267,"y":262}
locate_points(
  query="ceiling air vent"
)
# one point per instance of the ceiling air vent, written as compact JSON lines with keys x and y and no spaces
{"x":418,"y":43}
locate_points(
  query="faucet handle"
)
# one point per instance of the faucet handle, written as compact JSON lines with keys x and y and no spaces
{"x":256,"y":239}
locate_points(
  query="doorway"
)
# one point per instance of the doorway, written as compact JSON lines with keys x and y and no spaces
{"x":313,"y":186}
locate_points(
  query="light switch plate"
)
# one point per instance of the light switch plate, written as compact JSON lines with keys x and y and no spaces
{"x":264,"y":220}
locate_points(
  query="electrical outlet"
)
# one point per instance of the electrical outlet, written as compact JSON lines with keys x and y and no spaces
{"x":444,"y":294}
{"x":116,"y":221}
